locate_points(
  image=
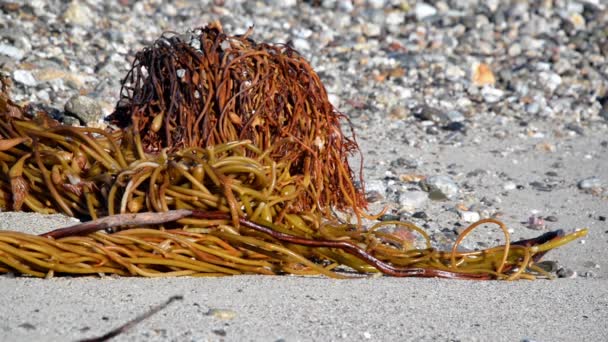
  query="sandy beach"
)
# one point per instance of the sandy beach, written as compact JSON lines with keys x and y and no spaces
{"x":507,"y":103}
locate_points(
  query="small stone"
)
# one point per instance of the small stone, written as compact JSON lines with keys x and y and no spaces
{"x":410,"y":201}
{"x":78,"y":13}
{"x":420,"y":215}
{"x":345,"y":5}
{"x":533,"y":108}
{"x":453,"y":73}
{"x":454,"y":116}
{"x":550,"y":80}
{"x":373,"y":196}
{"x":301,"y":44}
{"x":334,"y":99}
{"x":536,"y":223}
{"x":377,"y":3}
{"x":455,"y":127}
{"x":551,"y":218}
{"x":590,"y":183}
{"x":395,"y":18}
{"x":514,"y":50}
{"x":566,"y":273}
{"x":376,"y":185}
{"x":491,"y":95}
{"x":84,"y":108}
{"x":169,"y":10}
{"x":27,"y":326}
{"x":221,"y":313}
{"x":577,"y":21}
{"x":469,"y":216}
{"x":509,"y":186}
{"x":11,"y":51}
{"x":423,"y":10}
{"x":371,"y":29}
{"x":588,"y":274}
{"x":24,"y":77}
{"x":219,"y":332}
{"x":442,"y":185}
{"x":482,"y":75}
{"x":548,"y":266}
{"x":389,"y":217}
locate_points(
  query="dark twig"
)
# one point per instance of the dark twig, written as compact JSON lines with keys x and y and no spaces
{"x":123,"y":328}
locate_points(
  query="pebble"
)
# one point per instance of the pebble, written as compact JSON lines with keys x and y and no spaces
{"x":491,"y":94}
{"x":24,"y":77}
{"x":566,"y":273}
{"x":509,"y":186}
{"x":536,"y":223}
{"x":482,"y":75}
{"x":11,"y":51}
{"x":551,"y":218}
{"x":590,"y":183}
{"x":548,"y":266}
{"x":376,"y":185}
{"x":441,"y":186}
{"x":469,"y":216}
{"x":411,"y":201}
{"x":84,"y":108}
{"x":223,"y":314}
{"x":78,"y":13}
{"x":424,"y":10}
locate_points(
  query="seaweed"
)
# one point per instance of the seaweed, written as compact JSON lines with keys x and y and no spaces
{"x":227,"y":158}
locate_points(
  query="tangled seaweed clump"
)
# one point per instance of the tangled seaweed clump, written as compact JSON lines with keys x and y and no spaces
{"x":207,"y":88}
{"x":228,"y":159}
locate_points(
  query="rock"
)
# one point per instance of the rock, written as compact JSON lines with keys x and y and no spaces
{"x":454,"y":116}
{"x":469,"y":216}
{"x":453,"y":73}
{"x":345,"y":5}
{"x":24,"y":77}
{"x":84,"y":108}
{"x":566,"y":273}
{"x":550,"y":80}
{"x":548,"y":266}
{"x":377,"y":3}
{"x":441,"y":186}
{"x":301,"y":44}
{"x":491,"y":94}
{"x":395,"y":18}
{"x":223,"y":314}
{"x":577,"y":21}
{"x":423,"y":10}
{"x":482,"y":75}
{"x":514,"y":50}
{"x":420,"y":215}
{"x":371,"y":29}
{"x":376,"y":185}
{"x":551,"y":218}
{"x":78,"y":13}
{"x":411,"y":201}
{"x":590,"y":183}
{"x":536,"y":223}
{"x":509,"y":186}
{"x":11,"y":51}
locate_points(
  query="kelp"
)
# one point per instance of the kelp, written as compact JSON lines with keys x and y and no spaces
{"x":206,"y":88}
{"x":228,"y":159}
